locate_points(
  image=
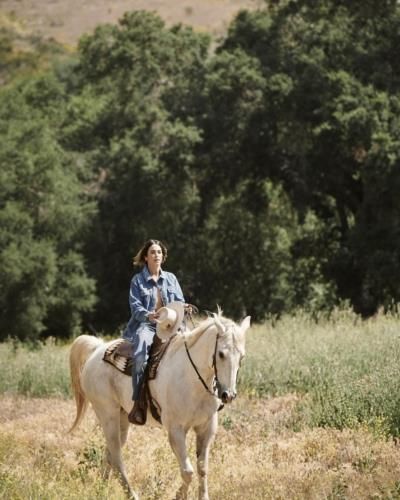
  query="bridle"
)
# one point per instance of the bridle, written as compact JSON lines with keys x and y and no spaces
{"x":216,"y":384}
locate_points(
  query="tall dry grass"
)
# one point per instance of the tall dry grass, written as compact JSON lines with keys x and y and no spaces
{"x":346,"y":368}
{"x":255,"y":456}
{"x":38,"y":370}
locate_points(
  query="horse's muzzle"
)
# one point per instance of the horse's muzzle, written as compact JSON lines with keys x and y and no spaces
{"x":228,"y":396}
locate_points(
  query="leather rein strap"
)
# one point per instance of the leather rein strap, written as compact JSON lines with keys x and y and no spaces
{"x":214,"y":366}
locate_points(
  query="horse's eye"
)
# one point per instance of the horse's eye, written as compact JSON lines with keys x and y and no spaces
{"x":221,"y":355}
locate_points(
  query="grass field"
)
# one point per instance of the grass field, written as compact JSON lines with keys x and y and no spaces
{"x":317,"y":418}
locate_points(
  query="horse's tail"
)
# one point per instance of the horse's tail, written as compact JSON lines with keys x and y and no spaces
{"x":81,"y":349}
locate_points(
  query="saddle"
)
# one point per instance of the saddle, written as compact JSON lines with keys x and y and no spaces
{"x":119,"y":354}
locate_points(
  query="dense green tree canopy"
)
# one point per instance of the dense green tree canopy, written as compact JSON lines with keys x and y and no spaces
{"x":270,"y":167}
{"x":331,"y":102}
{"x":43,"y":212}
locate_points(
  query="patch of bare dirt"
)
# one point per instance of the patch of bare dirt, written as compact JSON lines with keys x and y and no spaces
{"x":67,"y":20}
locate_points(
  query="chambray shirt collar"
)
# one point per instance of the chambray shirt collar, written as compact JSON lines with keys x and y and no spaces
{"x":147,"y":275}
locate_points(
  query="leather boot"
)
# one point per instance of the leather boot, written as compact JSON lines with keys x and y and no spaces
{"x":138,"y":414}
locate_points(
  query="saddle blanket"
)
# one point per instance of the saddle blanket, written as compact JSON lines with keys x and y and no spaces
{"x":119,"y":354}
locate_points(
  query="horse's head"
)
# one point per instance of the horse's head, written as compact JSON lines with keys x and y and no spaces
{"x":228,"y":353}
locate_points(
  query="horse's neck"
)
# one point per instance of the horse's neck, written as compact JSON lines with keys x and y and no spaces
{"x":202,"y":351}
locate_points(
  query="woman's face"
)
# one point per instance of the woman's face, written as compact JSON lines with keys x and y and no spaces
{"x":154,"y":255}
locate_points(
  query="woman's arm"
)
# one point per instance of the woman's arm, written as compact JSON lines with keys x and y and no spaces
{"x":178,"y":290}
{"x":138,"y":310}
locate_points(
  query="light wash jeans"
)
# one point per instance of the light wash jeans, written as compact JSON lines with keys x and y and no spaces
{"x":142,"y":341}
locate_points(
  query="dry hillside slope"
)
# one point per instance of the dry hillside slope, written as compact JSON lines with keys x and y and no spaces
{"x":67,"y":20}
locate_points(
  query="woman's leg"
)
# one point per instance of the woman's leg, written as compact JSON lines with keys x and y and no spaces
{"x":141,"y":348}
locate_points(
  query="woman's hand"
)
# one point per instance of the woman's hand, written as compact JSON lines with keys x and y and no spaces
{"x":190,"y":309}
{"x":153,"y":316}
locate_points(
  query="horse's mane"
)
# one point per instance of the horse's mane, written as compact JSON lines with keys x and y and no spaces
{"x":192,"y":336}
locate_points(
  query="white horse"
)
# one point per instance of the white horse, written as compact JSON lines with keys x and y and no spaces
{"x":194,"y":364}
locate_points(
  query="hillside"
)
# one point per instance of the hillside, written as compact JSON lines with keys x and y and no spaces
{"x":67,"y":21}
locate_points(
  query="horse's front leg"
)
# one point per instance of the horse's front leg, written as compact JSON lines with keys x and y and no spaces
{"x":177,"y":439}
{"x":204,"y":438}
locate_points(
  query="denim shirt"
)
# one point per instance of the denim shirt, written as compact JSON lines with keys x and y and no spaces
{"x":143,"y":297}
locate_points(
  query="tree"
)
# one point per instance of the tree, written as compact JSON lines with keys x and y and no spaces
{"x":43,"y":212}
{"x":330,"y":109}
{"x":246,"y":256}
{"x":131,"y":119}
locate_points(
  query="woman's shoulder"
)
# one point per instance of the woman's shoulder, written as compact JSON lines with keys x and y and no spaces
{"x":138,"y":277}
{"x":169,"y":276}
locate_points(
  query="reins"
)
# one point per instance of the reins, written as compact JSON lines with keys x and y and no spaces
{"x":215,"y":383}
{"x":190,"y":311}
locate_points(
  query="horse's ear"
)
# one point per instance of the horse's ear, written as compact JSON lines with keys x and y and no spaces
{"x":245,"y":324}
{"x":220,"y":326}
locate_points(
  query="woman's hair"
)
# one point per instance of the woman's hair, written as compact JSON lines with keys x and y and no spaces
{"x":139,"y":259}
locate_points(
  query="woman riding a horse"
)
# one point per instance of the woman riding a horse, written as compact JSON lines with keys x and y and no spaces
{"x":150,"y":289}
{"x":197,"y":373}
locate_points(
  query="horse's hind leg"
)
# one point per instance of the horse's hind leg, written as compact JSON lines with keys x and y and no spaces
{"x":204,"y":438}
{"x":177,"y":439}
{"x":111,"y":423}
{"x":124,"y":430}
